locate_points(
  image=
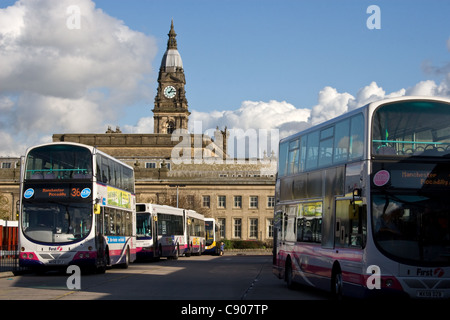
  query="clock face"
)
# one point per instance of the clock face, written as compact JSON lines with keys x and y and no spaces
{"x":170,"y":92}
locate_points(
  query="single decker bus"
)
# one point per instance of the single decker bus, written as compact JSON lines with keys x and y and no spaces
{"x":362,"y":202}
{"x":212,"y":236}
{"x":166,"y":231}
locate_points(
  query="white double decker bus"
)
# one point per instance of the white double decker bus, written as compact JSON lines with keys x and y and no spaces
{"x":362,"y":205}
{"x":165,"y":231}
{"x":77,"y":207}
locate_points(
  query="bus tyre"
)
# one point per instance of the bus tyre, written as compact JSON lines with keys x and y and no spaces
{"x":177,"y":252}
{"x":127,"y":259}
{"x":336,"y":283}
{"x":188,"y":252}
{"x":288,"y":274}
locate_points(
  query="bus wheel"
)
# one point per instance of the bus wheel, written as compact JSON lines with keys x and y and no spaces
{"x":188,"y":252}
{"x":107,"y":258}
{"x":127,"y":259}
{"x":288,"y":273}
{"x":336,"y":283}
{"x":177,"y":252}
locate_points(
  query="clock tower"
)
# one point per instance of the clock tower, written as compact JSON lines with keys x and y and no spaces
{"x":171,"y":108}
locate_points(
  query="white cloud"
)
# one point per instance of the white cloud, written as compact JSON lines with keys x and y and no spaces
{"x":56,"y":79}
{"x":331,"y":104}
{"x":256,"y":115}
{"x":144,"y":125}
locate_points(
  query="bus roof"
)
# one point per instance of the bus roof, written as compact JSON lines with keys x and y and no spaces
{"x":371,"y":106}
{"x":160,"y":208}
{"x":195,"y":214}
{"x":92,"y":149}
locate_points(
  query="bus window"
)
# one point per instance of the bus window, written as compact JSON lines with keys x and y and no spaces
{"x":326,"y":147}
{"x":293,"y":157}
{"x":283,"y":155}
{"x":309,"y":222}
{"x":312,"y":150}
{"x":341,"y":141}
{"x":356,"y":137}
{"x":58,"y":162}
{"x":128,"y":179}
{"x":105,"y":170}
{"x":302,"y":150}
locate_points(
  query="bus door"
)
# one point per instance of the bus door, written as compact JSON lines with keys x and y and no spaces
{"x":350,"y":223}
{"x":100,"y":243}
{"x":156,"y":249}
{"x":278,"y":235}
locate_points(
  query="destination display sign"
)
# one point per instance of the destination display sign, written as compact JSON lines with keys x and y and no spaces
{"x":72,"y":191}
{"x":412,"y":176}
{"x":420,"y":179}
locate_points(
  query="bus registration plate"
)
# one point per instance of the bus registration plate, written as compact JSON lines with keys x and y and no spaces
{"x":429,"y":294}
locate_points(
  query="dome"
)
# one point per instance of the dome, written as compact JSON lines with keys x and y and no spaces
{"x":172,"y":58}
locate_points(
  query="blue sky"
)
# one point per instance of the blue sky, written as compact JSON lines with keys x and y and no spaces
{"x":306,"y":59}
{"x":290,"y":49}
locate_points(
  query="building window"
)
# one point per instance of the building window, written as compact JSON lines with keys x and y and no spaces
{"x":173,"y":200}
{"x":206,"y":203}
{"x":222,"y":201}
{"x":253,"y":228}
{"x":221,"y":223}
{"x":254,"y":202}
{"x":237,"y":226}
{"x":237,"y":201}
{"x":270,"y":202}
{"x":150,"y":165}
{"x":6,"y":165}
{"x":170,"y":127}
{"x":190,"y":201}
{"x":270,"y":228}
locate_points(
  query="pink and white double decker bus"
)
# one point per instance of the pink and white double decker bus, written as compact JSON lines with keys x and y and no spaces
{"x":77,"y":207}
{"x":362,"y":205}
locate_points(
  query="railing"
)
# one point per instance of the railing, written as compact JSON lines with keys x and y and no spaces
{"x":411,"y":148}
{"x":9,"y":249}
{"x":9,"y":259}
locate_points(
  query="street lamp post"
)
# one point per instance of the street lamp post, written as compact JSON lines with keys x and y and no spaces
{"x":177,"y":185}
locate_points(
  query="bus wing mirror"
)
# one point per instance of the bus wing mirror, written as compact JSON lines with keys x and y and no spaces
{"x":356,"y":194}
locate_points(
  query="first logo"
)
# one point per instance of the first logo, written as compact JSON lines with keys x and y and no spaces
{"x":28,"y":193}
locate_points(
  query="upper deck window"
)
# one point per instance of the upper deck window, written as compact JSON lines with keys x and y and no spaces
{"x":337,"y":143}
{"x":412,"y":128}
{"x":59,"y":162}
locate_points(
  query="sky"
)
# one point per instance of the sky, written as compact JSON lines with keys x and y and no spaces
{"x":79,"y":66}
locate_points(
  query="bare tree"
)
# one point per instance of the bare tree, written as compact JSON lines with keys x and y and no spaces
{"x":4,"y":207}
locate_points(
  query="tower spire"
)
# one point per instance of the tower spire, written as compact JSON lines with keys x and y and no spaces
{"x":172,"y":42}
{"x":171,"y":108}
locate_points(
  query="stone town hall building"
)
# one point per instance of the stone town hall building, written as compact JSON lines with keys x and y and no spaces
{"x":173,"y":165}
